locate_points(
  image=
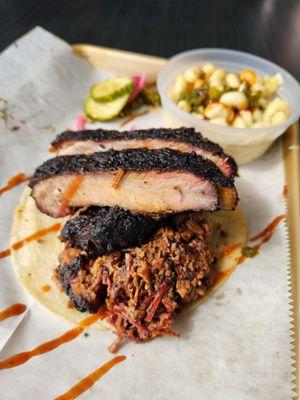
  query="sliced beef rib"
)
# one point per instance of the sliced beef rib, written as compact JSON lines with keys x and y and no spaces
{"x":182,"y":139}
{"x":153,"y":181}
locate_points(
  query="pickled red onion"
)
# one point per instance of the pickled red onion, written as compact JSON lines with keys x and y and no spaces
{"x":139,"y":82}
{"x":80,"y":123}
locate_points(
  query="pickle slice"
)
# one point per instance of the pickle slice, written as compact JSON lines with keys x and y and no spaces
{"x":105,"y":111}
{"x":111,"y":89}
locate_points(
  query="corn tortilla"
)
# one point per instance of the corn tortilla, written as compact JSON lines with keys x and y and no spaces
{"x":35,"y":262}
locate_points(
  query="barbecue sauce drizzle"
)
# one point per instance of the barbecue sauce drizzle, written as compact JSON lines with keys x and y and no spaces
{"x":12,"y":311}
{"x":72,"y":188}
{"x":46,"y":288}
{"x":118,"y":177}
{"x":14,"y":181}
{"x":87,"y":382}
{"x":230,"y":249}
{"x":265,"y":235}
{"x":30,"y":238}
{"x":72,"y":334}
{"x":70,"y":191}
{"x":90,"y":380}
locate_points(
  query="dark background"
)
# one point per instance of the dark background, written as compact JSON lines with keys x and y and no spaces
{"x":269,"y":28}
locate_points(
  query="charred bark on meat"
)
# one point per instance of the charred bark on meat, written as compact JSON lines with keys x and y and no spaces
{"x":133,"y":160}
{"x":179,"y":135}
{"x":100,"y":230}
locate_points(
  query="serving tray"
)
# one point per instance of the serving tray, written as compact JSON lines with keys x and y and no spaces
{"x":124,"y":62}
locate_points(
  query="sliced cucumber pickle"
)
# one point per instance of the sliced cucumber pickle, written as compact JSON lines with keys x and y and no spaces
{"x":105,"y":111}
{"x":111,"y":89}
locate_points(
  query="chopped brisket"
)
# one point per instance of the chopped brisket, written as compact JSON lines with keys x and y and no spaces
{"x":85,"y":292}
{"x":143,"y":287}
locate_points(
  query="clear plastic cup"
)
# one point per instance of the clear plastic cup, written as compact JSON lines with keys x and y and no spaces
{"x":244,"y":144}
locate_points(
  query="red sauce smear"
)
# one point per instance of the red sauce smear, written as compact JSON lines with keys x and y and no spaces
{"x":90,"y":380}
{"x":103,"y":313}
{"x":118,"y":177}
{"x":46,"y":288}
{"x":221,"y":275}
{"x":72,"y":334}
{"x":70,"y":191}
{"x":285,"y":191}
{"x":132,"y":117}
{"x":230,"y":249}
{"x":30,"y":238}
{"x":12,"y":311}
{"x":241,"y":260}
{"x":264,"y":235}
{"x":14,"y":181}
{"x":52,"y":149}
{"x":267,"y":233}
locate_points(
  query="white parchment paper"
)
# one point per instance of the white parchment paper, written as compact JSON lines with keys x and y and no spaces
{"x":236,"y":346}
